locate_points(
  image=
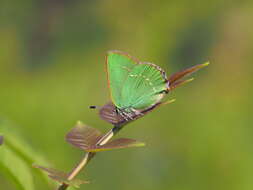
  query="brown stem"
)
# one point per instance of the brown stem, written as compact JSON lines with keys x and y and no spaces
{"x":88,"y":156}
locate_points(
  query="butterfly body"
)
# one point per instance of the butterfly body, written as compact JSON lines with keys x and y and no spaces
{"x":134,"y":85}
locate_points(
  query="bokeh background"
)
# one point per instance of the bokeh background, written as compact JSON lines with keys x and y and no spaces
{"x":52,"y":55}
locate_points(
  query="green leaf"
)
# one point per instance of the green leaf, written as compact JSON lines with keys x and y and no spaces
{"x":21,"y":152}
{"x":61,"y":177}
{"x":116,"y":144}
{"x":18,"y":145}
{"x":14,"y":166}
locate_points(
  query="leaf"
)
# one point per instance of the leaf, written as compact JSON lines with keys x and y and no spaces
{"x":116,"y":144}
{"x":179,"y":75}
{"x":83,"y":136}
{"x":108,"y":113}
{"x":60,"y":176}
{"x":180,"y":83}
{"x":22,"y":151}
{"x":15,"y":167}
{"x":86,"y":138}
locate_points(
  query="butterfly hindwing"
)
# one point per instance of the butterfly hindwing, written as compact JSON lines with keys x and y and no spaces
{"x":143,"y":86}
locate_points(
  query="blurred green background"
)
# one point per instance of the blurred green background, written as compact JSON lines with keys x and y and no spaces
{"x":52,"y":55}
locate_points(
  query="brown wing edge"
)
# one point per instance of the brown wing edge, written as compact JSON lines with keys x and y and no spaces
{"x":124,"y":54}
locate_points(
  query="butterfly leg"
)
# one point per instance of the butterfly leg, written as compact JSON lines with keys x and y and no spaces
{"x":122,"y":114}
{"x":163,"y":92}
{"x":137,"y":112}
{"x":127,"y":116}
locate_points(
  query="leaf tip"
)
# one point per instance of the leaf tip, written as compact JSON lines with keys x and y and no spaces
{"x":189,"y":80}
{"x":205,"y":64}
{"x":169,"y":101}
{"x":79,"y":123}
{"x":140,"y":144}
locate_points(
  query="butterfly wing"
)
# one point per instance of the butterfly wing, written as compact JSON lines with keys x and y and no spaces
{"x":144,"y":86}
{"x":119,"y":65}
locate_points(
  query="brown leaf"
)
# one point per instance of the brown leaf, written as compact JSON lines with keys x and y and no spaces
{"x":116,"y":144}
{"x":108,"y":113}
{"x":179,"y":83}
{"x":179,"y":75}
{"x":60,"y":176}
{"x":83,"y":136}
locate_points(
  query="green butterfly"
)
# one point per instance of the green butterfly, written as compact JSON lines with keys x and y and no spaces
{"x":135,"y":86}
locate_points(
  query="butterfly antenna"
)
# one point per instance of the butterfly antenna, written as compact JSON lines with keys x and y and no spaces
{"x":94,"y":107}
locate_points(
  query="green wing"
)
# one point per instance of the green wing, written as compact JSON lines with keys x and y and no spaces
{"x":143,"y":87}
{"x":119,"y":65}
{"x":133,"y":84}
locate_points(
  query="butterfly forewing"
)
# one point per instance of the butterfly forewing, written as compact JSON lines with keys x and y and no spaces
{"x":119,"y":65}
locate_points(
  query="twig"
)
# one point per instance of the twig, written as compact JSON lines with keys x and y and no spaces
{"x":89,"y":155}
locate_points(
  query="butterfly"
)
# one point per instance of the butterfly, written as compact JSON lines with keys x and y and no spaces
{"x":136,"y":87}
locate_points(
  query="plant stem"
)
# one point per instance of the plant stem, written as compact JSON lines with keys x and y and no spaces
{"x":79,"y":167}
{"x":89,"y":155}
